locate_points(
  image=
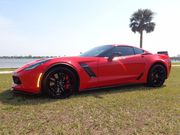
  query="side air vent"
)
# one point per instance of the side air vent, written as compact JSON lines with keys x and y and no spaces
{"x":139,"y":77}
{"x":87,"y":69}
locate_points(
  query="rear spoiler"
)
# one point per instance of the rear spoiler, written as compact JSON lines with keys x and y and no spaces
{"x":163,"y":52}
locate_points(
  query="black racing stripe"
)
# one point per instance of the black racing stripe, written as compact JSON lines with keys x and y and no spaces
{"x":87,"y":69}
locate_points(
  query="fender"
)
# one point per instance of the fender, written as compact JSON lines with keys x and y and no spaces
{"x":60,"y":64}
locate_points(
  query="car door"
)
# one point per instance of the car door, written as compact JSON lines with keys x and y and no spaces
{"x":133,"y":61}
{"x":126,"y":68}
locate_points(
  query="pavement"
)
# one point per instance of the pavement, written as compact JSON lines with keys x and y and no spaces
{"x":9,"y":72}
{"x":6,"y":72}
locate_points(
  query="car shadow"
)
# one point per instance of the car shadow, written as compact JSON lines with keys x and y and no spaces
{"x":98,"y":93}
{"x":12,"y":98}
{"x":9,"y":97}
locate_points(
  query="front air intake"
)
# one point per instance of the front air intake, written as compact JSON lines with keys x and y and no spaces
{"x":16,"y":80}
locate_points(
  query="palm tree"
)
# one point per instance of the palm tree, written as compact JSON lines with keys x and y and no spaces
{"x":140,"y":21}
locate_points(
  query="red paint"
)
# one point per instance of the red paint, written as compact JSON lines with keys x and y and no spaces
{"x":121,"y":70}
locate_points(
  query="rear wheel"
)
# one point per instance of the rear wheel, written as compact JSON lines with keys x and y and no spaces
{"x":156,"y":76}
{"x":59,"y":82}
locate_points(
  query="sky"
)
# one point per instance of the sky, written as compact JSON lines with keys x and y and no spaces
{"x":68,"y":27}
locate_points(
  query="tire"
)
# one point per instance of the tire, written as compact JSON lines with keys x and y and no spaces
{"x":156,"y":76}
{"x":59,"y":82}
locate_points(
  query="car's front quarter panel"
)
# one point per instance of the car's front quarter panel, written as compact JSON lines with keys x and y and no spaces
{"x":85,"y":80}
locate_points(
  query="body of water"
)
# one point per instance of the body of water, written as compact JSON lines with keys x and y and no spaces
{"x":14,"y":62}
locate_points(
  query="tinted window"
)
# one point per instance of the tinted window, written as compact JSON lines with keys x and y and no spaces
{"x":138,"y":51}
{"x":123,"y":50}
{"x":97,"y":50}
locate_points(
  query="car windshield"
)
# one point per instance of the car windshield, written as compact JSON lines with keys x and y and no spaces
{"x":97,"y":51}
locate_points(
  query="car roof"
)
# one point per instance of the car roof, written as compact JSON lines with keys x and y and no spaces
{"x":128,"y":46}
{"x":122,"y":45}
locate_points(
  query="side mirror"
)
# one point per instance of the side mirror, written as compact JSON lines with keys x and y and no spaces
{"x":115,"y":54}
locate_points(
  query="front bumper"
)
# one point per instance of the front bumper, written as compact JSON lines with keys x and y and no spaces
{"x":27,"y":81}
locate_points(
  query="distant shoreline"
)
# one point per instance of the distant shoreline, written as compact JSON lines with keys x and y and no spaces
{"x":26,"y":57}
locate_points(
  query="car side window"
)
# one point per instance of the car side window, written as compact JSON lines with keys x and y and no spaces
{"x":138,"y":51}
{"x":108,"y":53}
{"x":125,"y":50}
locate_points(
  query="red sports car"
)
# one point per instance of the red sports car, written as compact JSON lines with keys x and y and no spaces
{"x":103,"y":66}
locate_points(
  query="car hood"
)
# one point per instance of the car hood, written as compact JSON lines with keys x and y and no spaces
{"x":30,"y":63}
{"x":73,"y":59}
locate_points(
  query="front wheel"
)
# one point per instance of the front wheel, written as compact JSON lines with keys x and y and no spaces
{"x":156,"y":76}
{"x":59,"y":82}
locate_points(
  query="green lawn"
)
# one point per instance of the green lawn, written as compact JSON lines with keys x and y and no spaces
{"x":137,"y":110}
{"x":7,"y":69}
{"x":175,"y":63}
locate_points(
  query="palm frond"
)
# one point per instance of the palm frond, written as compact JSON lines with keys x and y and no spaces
{"x":141,"y":20}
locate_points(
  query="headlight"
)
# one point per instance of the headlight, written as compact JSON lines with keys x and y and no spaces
{"x":33,"y":66}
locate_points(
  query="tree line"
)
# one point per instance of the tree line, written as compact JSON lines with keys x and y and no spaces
{"x":28,"y":57}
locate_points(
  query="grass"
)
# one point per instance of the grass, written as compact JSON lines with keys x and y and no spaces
{"x":175,"y":63}
{"x":7,"y":69}
{"x":136,"y":110}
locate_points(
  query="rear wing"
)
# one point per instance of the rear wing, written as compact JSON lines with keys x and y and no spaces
{"x":163,"y":52}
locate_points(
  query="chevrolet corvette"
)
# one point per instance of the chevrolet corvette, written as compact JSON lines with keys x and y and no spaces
{"x":102,"y":66}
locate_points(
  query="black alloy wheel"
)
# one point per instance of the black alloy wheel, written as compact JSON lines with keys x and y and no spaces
{"x":59,"y":82}
{"x":157,"y":76}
